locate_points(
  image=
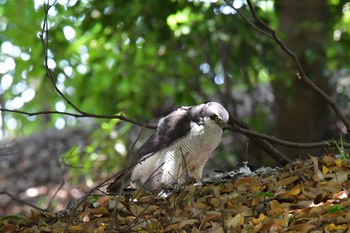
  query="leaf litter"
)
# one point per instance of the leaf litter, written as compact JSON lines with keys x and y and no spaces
{"x":304,"y":196}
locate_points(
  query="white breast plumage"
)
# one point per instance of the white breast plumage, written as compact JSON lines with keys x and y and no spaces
{"x":188,"y":155}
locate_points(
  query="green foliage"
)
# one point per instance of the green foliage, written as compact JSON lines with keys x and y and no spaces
{"x":131,"y":57}
{"x":340,"y":147}
{"x":266,"y":194}
{"x":335,"y":208}
{"x":106,"y":153}
{"x":17,"y":217}
{"x":141,"y":58}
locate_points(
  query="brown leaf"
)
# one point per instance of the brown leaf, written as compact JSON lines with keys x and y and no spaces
{"x":100,"y":229}
{"x":275,"y":208}
{"x":245,"y":183}
{"x":8,"y":228}
{"x":172,"y":227}
{"x":136,"y":209}
{"x":115,"y":204}
{"x":338,"y":177}
{"x":293,"y":192}
{"x":212,"y":215}
{"x":215,"y":202}
{"x":318,"y":176}
{"x":77,"y":228}
{"x":236,"y":221}
{"x":302,"y":228}
{"x":328,"y":160}
{"x":187,"y":222}
{"x":285,"y":182}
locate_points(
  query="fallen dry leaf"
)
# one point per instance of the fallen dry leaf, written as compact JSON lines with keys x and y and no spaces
{"x":300,"y":198}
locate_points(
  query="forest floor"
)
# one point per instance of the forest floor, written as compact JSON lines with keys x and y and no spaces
{"x":304,"y":196}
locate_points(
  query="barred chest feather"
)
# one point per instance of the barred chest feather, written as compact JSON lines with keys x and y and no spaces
{"x":199,"y":144}
{"x":190,"y":153}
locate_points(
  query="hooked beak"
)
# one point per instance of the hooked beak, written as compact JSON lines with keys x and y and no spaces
{"x":222,"y":124}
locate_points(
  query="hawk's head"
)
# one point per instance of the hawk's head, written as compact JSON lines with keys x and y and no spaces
{"x":212,"y":114}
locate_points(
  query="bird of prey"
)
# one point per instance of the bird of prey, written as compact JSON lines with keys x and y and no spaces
{"x":179,"y":148}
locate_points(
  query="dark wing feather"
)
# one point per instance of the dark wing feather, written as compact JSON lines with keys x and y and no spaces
{"x":170,"y":128}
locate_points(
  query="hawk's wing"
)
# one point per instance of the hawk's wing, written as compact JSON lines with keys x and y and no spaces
{"x":170,"y":128}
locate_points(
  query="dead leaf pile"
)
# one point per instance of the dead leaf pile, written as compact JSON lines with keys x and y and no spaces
{"x":304,"y":196}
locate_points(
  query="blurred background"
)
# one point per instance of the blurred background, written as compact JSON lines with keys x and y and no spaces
{"x":146,"y":58}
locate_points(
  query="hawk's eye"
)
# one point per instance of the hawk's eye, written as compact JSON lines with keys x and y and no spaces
{"x":216,"y":118}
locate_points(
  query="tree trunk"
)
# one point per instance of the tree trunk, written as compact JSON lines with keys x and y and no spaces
{"x":301,"y":114}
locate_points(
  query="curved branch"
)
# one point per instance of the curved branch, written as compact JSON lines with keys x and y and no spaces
{"x":44,"y":38}
{"x":247,"y":20}
{"x":247,"y":132}
{"x":264,"y":144}
{"x":269,"y":32}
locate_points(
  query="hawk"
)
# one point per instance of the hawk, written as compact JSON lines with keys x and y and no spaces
{"x":179,"y":148}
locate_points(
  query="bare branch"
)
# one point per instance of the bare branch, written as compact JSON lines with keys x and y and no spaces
{"x":82,"y":115}
{"x":60,"y":187}
{"x":264,"y":145}
{"x":44,"y":37}
{"x":21,"y":202}
{"x":329,"y":143}
{"x":269,"y":32}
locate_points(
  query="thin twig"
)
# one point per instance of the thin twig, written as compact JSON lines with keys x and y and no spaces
{"x":61,"y":185}
{"x":223,"y":221}
{"x":81,"y":202}
{"x":248,"y":21}
{"x":81,"y":115}
{"x":22,"y":202}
